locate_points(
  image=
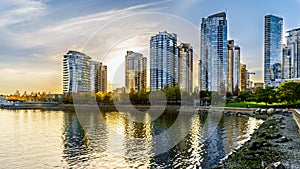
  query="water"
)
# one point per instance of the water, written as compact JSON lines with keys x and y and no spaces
{"x":55,"y":139}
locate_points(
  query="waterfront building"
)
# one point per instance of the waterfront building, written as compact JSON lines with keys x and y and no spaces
{"x":213,"y":58}
{"x":286,"y":63}
{"x":98,"y":78}
{"x":103,"y":79}
{"x":233,"y":68}
{"x":76,"y":72}
{"x":236,"y":70}
{"x":272,"y":49}
{"x":257,"y":86}
{"x":185,"y":67}
{"x":293,"y":45}
{"x":135,"y":71}
{"x":243,"y":77}
{"x":163,"y":56}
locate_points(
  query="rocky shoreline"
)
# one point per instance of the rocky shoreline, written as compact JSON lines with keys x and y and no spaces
{"x":275,"y":144}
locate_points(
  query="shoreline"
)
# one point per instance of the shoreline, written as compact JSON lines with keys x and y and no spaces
{"x":276,"y":143}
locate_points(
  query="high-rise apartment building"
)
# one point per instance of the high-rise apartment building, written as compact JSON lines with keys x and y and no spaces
{"x":135,"y":71}
{"x":163,"y":55}
{"x":272,"y":49}
{"x":293,"y":44}
{"x":286,"y":63}
{"x":76,"y":72}
{"x":213,"y":67}
{"x":103,"y":75}
{"x":185,"y":67}
{"x":98,"y":78}
{"x":236,"y":70}
{"x":243,"y":77}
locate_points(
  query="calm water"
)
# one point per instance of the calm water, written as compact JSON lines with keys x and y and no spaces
{"x":55,"y":139}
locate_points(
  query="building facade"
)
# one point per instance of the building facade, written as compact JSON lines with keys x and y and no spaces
{"x":243,"y":77}
{"x":135,"y":71}
{"x":98,"y":78}
{"x":286,"y":63}
{"x":236,"y":70}
{"x":163,"y":55}
{"x":185,"y":67}
{"x":272,"y":49}
{"x":293,"y":44}
{"x":76,"y":72}
{"x":213,"y":69}
{"x":103,"y":75}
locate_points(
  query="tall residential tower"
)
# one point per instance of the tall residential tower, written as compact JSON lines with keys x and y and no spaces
{"x":213,"y":69}
{"x":135,"y":71}
{"x":163,"y":55}
{"x":272,"y":49}
{"x":76,"y":72}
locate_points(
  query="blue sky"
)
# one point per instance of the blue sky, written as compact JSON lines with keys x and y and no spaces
{"x":35,"y":34}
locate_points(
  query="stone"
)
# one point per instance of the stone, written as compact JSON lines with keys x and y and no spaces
{"x":264,"y":164}
{"x":282,"y":139}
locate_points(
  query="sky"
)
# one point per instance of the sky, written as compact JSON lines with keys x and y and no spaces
{"x":34,"y":34}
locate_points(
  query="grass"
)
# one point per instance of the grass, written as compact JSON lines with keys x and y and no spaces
{"x":244,"y":104}
{"x":251,"y":104}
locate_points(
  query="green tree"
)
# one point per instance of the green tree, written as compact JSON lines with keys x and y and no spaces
{"x":289,"y":92}
{"x":266,"y":95}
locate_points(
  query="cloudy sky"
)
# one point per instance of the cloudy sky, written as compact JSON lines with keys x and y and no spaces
{"x":35,"y":34}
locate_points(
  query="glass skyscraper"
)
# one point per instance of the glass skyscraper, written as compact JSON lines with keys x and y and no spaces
{"x":233,"y":68}
{"x":185,"y":67}
{"x":135,"y":71}
{"x":213,"y":62}
{"x":76,"y":72}
{"x":272,"y":49}
{"x":293,"y":44}
{"x":163,"y":55}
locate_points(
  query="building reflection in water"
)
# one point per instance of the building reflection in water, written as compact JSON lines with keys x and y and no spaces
{"x":110,"y":139}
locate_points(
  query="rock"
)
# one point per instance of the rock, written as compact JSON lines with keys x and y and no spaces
{"x":270,"y":111}
{"x":264,"y":164}
{"x":278,"y":165}
{"x":263,"y":111}
{"x":255,"y":145}
{"x":282,"y":139}
{"x":274,"y":136}
{"x":265,"y":144}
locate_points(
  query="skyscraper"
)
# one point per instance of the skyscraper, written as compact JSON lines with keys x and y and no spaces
{"x":76,"y":72}
{"x":163,"y":55}
{"x":236,"y":70}
{"x":103,"y":83}
{"x":135,"y":71}
{"x":185,"y":67}
{"x":243,"y":77}
{"x":272,"y":49}
{"x":230,"y":55}
{"x":98,"y":77}
{"x":214,"y":53}
{"x":293,"y":44}
{"x":286,"y":63}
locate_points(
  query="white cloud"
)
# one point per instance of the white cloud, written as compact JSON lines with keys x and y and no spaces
{"x":19,"y":11}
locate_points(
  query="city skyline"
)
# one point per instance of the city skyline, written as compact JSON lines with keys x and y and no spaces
{"x":40,"y":57}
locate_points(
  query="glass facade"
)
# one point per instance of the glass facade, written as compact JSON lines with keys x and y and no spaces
{"x":293,"y":43}
{"x":272,"y":49}
{"x":236,"y":70}
{"x":213,"y":69}
{"x":163,"y":60}
{"x":135,"y":71}
{"x":185,"y":67}
{"x":76,"y":72}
